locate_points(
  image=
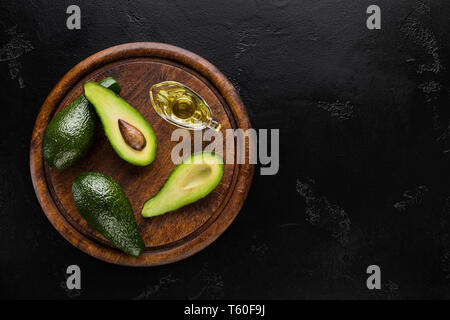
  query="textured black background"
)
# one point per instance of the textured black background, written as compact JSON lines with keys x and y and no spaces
{"x":364,"y":124}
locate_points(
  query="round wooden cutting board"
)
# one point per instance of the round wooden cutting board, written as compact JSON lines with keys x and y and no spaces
{"x":175,"y":235}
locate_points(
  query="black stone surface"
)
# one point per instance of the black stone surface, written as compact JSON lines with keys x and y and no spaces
{"x":365,"y":139}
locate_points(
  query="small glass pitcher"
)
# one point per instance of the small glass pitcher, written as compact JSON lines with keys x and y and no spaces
{"x":182,"y":106}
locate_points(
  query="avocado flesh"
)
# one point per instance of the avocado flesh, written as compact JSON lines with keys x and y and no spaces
{"x":111,"y":108}
{"x":106,"y":208}
{"x":71,"y":132}
{"x":191,"y":180}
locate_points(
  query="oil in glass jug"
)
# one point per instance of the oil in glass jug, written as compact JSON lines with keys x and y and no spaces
{"x":182,"y":106}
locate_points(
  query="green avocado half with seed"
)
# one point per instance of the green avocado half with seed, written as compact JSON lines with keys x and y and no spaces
{"x":71,"y":132}
{"x":130,"y":135}
{"x":106,"y":208}
{"x":191,"y":180}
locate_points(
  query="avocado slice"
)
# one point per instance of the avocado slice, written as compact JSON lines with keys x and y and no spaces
{"x":70,"y":133}
{"x":190,"y":181}
{"x":104,"y":205}
{"x":130,"y":135}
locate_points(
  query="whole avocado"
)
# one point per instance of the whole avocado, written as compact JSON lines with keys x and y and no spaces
{"x":70,"y":134}
{"x":106,"y":208}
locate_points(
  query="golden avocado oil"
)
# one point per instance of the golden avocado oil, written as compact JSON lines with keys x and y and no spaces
{"x":181,"y":106}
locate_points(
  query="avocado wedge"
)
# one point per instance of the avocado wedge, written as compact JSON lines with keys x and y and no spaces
{"x":191,"y":180}
{"x":70,"y":133}
{"x":106,"y":208}
{"x":130,"y":135}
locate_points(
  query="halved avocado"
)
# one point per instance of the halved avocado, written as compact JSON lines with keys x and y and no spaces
{"x":130,"y":135}
{"x":191,"y":180}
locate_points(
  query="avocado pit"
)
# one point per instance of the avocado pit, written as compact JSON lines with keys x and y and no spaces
{"x":132,"y":136}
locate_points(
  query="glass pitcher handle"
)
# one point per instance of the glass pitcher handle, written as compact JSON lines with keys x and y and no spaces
{"x":214,"y":125}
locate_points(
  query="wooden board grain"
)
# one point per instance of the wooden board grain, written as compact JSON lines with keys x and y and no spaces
{"x":170,"y":237}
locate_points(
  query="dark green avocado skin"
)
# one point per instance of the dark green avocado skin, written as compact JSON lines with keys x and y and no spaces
{"x":70,"y":134}
{"x":104,"y":205}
